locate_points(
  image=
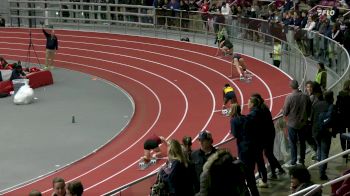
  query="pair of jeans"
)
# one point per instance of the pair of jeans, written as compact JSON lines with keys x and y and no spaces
{"x":323,"y":146}
{"x":268,"y":150}
{"x":295,"y":135}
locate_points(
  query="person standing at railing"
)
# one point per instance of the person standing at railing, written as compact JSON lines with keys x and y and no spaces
{"x":296,"y":110}
{"x":324,"y":115}
{"x":343,"y":113}
{"x":311,"y":24}
{"x":51,"y":48}
{"x":321,"y":76}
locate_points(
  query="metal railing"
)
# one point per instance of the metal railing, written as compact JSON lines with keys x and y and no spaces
{"x":250,"y":36}
{"x":316,"y":187}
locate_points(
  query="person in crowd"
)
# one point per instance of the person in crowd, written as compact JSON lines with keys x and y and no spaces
{"x":320,"y":130}
{"x":187,"y":146}
{"x":310,"y":25}
{"x":58,"y":186}
{"x":152,"y":143}
{"x":223,"y":174}
{"x":204,"y":9}
{"x":268,"y":137}
{"x":3,"y":63}
{"x":321,"y":76}
{"x":255,"y":119}
{"x":35,"y":193}
{"x":277,"y":53}
{"x":228,"y":95}
{"x":17,"y":72}
{"x":246,"y":146}
{"x":343,"y":113}
{"x":296,"y":110}
{"x":51,"y":48}
{"x":74,"y":188}
{"x":337,"y":34}
{"x":300,"y":179}
{"x":176,"y":173}
{"x":200,"y":156}
{"x":313,"y":90}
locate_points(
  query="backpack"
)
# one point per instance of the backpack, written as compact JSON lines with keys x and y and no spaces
{"x":328,"y":120}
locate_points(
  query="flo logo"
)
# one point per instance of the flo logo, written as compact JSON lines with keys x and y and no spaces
{"x":325,"y":12}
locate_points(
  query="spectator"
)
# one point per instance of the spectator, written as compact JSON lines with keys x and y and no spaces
{"x":313,"y":90}
{"x":300,"y":179}
{"x":3,"y":63}
{"x":343,"y":113}
{"x":310,"y":25}
{"x":321,"y":114}
{"x":245,"y":145}
{"x":296,"y":110}
{"x":321,"y":76}
{"x":223,"y":175}
{"x":200,"y":156}
{"x":255,"y":122}
{"x":176,"y":173}
{"x":204,"y":12}
{"x":74,"y":188}
{"x":17,"y":72}
{"x":58,"y":186}
{"x":152,"y":143}
{"x":184,"y":6}
{"x":268,"y":136}
{"x":51,"y":48}
{"x":35,"y":193}
{"x":337,"y":34}
{"x":187,"y":146}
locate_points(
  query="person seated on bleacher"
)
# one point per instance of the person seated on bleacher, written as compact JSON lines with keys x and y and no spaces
{"x":17,"y":72}
{"x":3,"y":63}
{"x":300,"y":179}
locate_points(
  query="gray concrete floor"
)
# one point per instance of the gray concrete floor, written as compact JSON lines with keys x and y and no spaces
{"x":40,"y":137}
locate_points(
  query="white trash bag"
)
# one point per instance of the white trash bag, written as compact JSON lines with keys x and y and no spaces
{"x":25,"y":95}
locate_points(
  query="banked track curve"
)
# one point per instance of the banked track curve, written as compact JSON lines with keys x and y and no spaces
{"x":176,"y":87}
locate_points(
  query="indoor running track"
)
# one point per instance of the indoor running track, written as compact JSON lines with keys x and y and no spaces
{"x":176,"y":86}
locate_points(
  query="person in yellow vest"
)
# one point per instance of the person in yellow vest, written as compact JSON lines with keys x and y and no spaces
{"x":229,"y":94}
{"x":321,"y":76}
{"x":276,"y":54}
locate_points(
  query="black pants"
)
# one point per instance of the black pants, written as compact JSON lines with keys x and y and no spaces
{"x":276,"y":63}
{"x":268,"y":150}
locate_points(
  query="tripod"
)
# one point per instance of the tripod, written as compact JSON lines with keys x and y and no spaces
{"x":31,"y":46}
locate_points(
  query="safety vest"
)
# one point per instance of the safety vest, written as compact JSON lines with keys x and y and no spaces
{"x":277,"y":49}
{"x":228,"y":89}
{"x":319,"y":76}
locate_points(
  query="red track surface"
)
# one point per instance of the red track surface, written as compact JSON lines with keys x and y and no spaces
{"x":176,"y":87}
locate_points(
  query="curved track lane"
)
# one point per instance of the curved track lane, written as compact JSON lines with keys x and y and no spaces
{"x":176,"y":87}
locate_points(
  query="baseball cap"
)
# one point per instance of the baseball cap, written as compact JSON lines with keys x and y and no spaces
{"x":205,"y":135}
